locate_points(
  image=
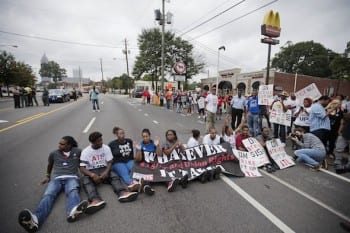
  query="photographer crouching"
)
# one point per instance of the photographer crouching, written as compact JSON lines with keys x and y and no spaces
{"x":312,"y":150}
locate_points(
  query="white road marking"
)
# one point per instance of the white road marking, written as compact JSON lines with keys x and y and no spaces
{"x":276,"y":221}
{"x":3,"y":121}
{"x":315,"y":200}
{"x":140,"y":110}
{"x":146,"y":114}
{"x":335,"y":175}
{"x":89,"y":125}
{"x":156,"y":122}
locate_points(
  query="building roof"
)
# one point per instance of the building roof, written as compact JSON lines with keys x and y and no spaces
{"x":44,"y":59}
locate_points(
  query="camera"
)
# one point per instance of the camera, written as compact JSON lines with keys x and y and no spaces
{"x":293,"y":135}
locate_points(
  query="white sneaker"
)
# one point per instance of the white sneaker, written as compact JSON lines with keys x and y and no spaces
{"x":98,"y":110}
{"x":77,"y":211}
{"x":28,"y":220}
{"x":199,"y":117}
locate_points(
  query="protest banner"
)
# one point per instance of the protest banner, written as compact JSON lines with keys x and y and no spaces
{"x":265,"y":94}
{"x":256,"y":150}
{"x":278,"y":154}
{"x":310,"y":91}
{"x":282,"y":118}
{"x":247,"y":163}
{"x":192,"y":161}
{"x":201,"y":103}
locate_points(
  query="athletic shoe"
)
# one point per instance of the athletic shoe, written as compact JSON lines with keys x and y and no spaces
{"x":28,"y":221}
{"x":77,"y":211}
{"x":172,"y":185}
{"x":95,"y":206}
{"x":184,"y":181}
{"x":217,"y":173}
{"x":269,"y":168}
{"x":128,"y":196}
{"x":324,"y":164}
{"x":98,"y":110}
{"x":203,"y":178}
{"x":147,"y":189}
{"x":211,"y":175}
{"x":134,"y":187}
{"x":315,"y":167}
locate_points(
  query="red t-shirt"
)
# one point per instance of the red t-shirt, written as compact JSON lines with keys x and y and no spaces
{"x":239,"y":140}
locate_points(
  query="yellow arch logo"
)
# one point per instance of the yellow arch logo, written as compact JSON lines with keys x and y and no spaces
{"x":271,"y":24}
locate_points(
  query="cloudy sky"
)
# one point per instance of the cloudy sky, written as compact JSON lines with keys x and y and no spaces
{"x":104,"y":24}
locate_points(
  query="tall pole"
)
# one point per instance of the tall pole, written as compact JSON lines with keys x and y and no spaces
{"x":127,"y":64}
{"x":163,"y":27}
{"x":268,"y":65}
{"x":79,"y":79}
{"x":218,"y":74}
{"x":101,"y":70}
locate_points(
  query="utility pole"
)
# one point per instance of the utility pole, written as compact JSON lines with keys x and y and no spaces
{"x":126,"y":51}
{"x":101,"y":71}
{"x":163,"y":28}
{"x":79,"y":79}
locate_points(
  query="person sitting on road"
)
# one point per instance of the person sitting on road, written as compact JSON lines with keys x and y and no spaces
{"x":62,"y":174}
{"x":123,"y":158}
{"x":262,"y":138}
{"x":172,"y":143}
{"x":212,"y":138}
{"x":240,"y":137}
{"x":150,"y":146}
{"x":229,"y":134}
{"x":95,"y":165}
{"x":313,"y":151}
{"x":194,"y":140}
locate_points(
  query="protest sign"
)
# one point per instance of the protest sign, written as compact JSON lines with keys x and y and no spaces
{"x":201,"y":103}
{"x":192,"y":161}
{"x":310,"y":91}
{"x":256,"y":150}
{"x":265,"y":94}
{"x":282,"y":118}
{"x":247,"y":163}
{"x":278,"y":154}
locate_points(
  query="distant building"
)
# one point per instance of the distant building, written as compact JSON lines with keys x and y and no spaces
{"x":77,"y":73}
{"x":44,"y":59}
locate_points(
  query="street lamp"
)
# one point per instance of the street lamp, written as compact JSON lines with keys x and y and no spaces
{"x":217,"y":77}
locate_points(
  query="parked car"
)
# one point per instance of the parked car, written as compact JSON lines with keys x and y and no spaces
{"x":58,"y":96}
{"x":137,"y":92}
{"x":70,"y":92}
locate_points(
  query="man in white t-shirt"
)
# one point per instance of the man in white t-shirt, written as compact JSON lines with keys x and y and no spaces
{"x":95,"y":164}
{"x":291,"y":104}
{"x":212,"y":138}
{"x":211,"y":107}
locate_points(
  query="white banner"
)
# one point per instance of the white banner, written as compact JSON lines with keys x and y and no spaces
{"x":247,"y":163}
{"x":201,"y":103}
{"x":278,"y":154}
{"x":282,"y":118}
{"x":265,"y":94}
{"x":257,"y":151}
{"x":310,"y":91}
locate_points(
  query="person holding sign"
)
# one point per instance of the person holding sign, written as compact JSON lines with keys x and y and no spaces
{"x":278,"y":106}
{"x":262,"y":139}
{"x":229,"y":134}
{"x":147,"y":145}
{"x":241,"y":137}
{"x":313,"y":151}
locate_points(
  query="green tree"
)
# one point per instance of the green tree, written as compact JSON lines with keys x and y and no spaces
{"x":308,"y":58}
{"x":340,"y":65}
{"x":23,"y":75}
{"x":52,"y":70}
{"x":122,"y":82}
{"x":149,"y":59}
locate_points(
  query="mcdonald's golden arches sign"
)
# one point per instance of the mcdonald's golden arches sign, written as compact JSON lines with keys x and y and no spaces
{"x":271,"y":25}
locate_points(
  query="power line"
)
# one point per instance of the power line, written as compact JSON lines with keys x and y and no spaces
{"x":62,"y":41}
{"x":231,"y":21}
{"x":215,"y":16}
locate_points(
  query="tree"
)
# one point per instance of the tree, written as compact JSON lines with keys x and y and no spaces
{"x":7,"y":64}
{"x":23,"y":75}
{"x":52,"y":70}
{"x":121,"y":82}
{"x":149,"y":59}
{"x":308,"y":58}
{"x":340,"y":65}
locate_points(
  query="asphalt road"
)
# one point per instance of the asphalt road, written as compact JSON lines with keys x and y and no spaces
{"x":295,"y":199}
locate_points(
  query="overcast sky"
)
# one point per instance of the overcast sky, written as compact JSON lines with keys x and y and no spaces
{"x":108,"y":22}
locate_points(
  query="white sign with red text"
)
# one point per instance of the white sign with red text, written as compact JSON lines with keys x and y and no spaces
{"x":265,"y":94}
{"x":256,"y":150}
{"x":247,"y":163}
{"x":278,"y":154}
{"x":310,"y":91}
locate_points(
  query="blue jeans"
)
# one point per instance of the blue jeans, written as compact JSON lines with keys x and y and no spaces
{"x":95,"y":104}
{"x":168,"y":104}
{"x":279,"y":131}
{"x":179,"y":108}
{"x":310,"y":156}
{"x":253,"y":124}
{"x":71,"y":188}
{"x":124,"y":170}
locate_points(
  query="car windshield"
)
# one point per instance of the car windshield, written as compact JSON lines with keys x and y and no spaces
{"x":55,"y":92}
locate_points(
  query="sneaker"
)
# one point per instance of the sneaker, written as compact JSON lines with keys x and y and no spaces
{"x":315,"y":167}
{"x":77,"y":211}
{"x":184,"y":181}
{"x":128,"y":196}
{"x":199,"y":117}
{"x":269,"y":168}
{"x":134,"y":187}
{"x":172,"y":185}
{"x":147,"y":189}
{"x":28,"y":221}
{"x":211,"y":175}
{"x":203,"y":178}
{"x":324,"y":164}
{"x":95,"y":206}
{"x":98,"y":110}
{"x":217,"y":173}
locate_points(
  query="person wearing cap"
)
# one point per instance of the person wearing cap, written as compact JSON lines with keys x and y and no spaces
{"x":319,"y":120}
{"x":278,"y":105}
{"x":211,"y":106}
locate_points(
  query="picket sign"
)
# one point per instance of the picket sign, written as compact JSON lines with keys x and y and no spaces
{"x":282,"y":118}
{"x":256,"y":150}
{"x":278,"y":154}
{"x":310,"y":91}
{"x":201,"y":103}
{"x":247,"y":163}
{"x":265,"y":94}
